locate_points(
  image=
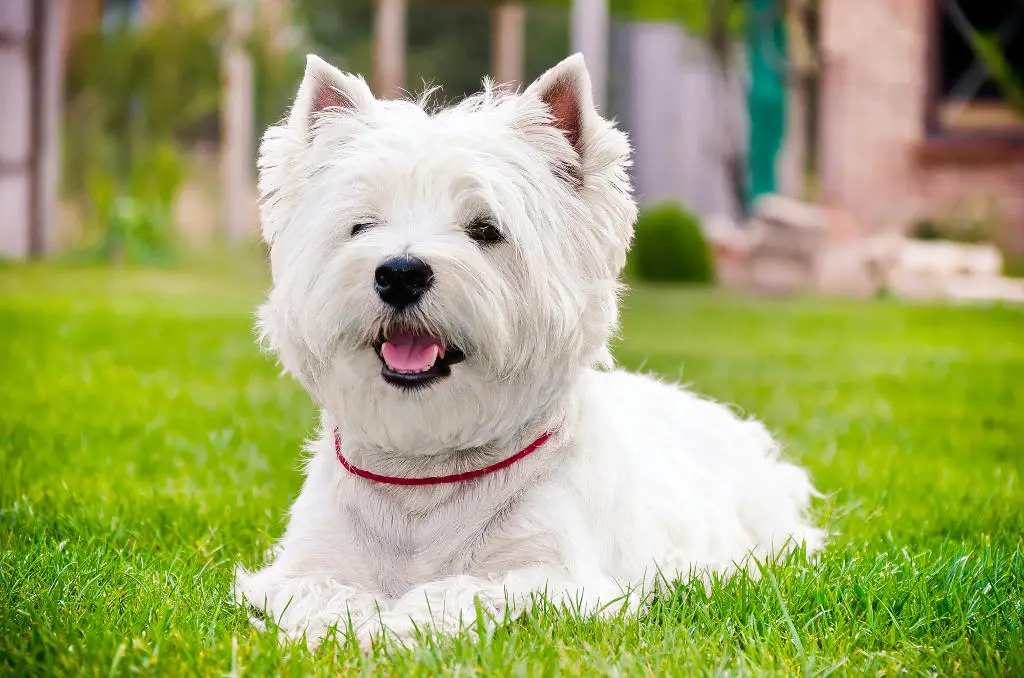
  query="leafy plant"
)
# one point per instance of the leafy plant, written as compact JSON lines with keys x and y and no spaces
{"x":967,"y":231}
{"x":669,"y":245}
{"x":277,"y":71}
{"x":133,"y":96}
{"x":989,"y":51}
{"x":697,"y":16}
{"x":1013,"y":265}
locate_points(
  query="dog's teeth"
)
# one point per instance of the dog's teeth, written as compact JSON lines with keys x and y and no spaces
{"x":434,"y":350}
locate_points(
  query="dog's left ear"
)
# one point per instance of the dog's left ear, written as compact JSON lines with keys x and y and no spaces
{"x":325,"y":88}
{"x":565,"y":91}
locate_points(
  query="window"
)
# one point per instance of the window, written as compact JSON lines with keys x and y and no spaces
{"x":965,"y":101}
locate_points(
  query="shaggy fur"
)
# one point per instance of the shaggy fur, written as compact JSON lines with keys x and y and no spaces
{"x":639,"y":478}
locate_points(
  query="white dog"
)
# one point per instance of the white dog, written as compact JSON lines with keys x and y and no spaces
{"x":445,"y":287}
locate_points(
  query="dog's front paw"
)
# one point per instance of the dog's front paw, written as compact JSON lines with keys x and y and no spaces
{"x":309,"y":606}
{"x":444,"y":607}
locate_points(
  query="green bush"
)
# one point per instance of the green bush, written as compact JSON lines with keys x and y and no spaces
{"x":669,"y":246}
{"x":134,"y":223}
{"x":968,"y":231}
{"x":1013,"y":265}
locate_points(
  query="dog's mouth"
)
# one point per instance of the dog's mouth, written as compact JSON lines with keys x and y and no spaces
{"x":415,"y":359}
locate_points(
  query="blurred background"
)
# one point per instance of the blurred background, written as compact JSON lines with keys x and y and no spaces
{"x":812,"y":149}
{"x":871,"y":147}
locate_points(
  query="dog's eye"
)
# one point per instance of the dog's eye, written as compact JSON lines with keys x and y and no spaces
{"x":484,"y":232}
{"x":360,"y":227}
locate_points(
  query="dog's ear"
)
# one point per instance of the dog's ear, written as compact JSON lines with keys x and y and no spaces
{"x":565,"y":92}
{"x":284,"y":148}
{"x":326,"y":88}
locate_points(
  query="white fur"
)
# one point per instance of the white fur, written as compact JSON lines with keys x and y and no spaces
{"x":639,"y":478}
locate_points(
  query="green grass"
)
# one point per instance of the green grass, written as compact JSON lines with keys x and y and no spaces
{"x":146,"y":447}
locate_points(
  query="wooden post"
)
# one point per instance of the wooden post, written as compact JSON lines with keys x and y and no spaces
{"x":49,"y":81}
{"x":30,"y":79}
{"x":237,"y":128}
{"x":507,"y":53}
{"x":792,"y":162}
{"x":389,"y":48}
{"x":590,"y":22}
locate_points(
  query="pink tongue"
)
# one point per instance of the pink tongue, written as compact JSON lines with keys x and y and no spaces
{"x":410,"y":352}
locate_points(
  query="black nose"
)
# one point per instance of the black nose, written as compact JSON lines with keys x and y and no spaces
{"x":401,"y":281}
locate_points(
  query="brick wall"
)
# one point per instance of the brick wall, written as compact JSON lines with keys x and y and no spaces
{"x":875,"y":164}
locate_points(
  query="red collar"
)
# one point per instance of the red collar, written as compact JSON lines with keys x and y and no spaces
{"x":437,"y":480}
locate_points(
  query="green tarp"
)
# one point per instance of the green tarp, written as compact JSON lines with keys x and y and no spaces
{"x":766,"y":50}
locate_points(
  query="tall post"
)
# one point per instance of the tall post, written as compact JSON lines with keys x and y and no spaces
{"x":237,"y":127}
{"x":507,"y":53}
{"x":793,"y":157}
{"x":16,"y":130}
{"x":389,"y":48}
{"x":30,"y":79}
{"x":590,"y":36}
{"x":49,"y":70}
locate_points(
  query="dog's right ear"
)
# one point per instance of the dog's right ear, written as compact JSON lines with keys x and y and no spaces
{"x":325,"y":88}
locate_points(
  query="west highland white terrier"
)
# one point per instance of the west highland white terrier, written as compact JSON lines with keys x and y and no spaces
{"x":445,"y":287}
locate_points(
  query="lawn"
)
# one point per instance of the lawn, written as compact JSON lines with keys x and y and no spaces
{"x":146,"y":447}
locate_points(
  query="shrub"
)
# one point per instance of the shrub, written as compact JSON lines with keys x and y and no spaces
{"x":1013,"y":265}
{"x":134,"y":96}
{"x":669,"y":245}
{"x":968,"y":231}
{"x":134,"y":223}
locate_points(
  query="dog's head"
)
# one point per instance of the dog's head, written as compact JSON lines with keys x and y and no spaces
{"x":441,"y":276}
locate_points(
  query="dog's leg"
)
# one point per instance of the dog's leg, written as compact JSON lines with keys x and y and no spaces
{"x":309,"y":604}
{"x":457,"y":603}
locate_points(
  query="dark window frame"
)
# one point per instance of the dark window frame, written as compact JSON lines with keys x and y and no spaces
{"x":980,"y":144}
